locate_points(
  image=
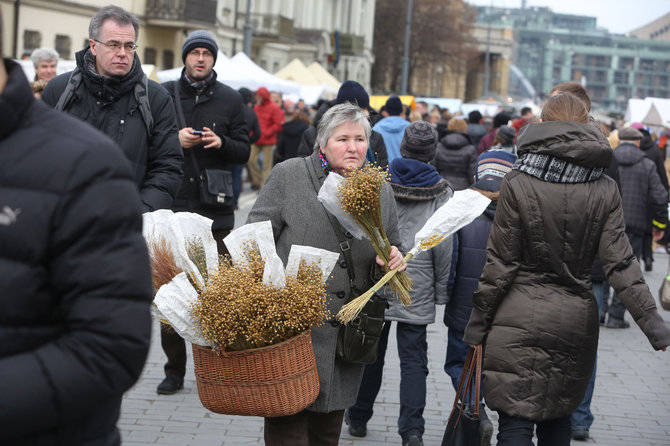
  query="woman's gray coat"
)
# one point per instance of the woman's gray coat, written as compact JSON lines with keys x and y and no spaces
{"x":290,"y":202}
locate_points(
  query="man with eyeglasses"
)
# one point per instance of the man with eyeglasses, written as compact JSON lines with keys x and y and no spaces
{"x":213,"y":134}
{"x":109,"y":90}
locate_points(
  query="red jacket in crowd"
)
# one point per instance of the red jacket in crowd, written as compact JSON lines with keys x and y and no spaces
{"x":270,"y":118}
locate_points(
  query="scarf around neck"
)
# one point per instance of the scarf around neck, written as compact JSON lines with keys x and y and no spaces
{"x":554,"y":170}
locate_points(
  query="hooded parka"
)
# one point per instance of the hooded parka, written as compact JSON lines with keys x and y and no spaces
{"x":534,"y":308}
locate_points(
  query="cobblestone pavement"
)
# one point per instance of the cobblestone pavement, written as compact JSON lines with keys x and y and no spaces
{"x":631,"y":403}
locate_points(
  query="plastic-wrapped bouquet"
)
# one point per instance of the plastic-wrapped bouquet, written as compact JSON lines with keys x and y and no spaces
{"x":355,"y":201}
{"x":460,"y":210}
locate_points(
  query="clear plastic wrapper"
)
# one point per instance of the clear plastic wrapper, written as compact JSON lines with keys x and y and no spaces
{"x":325,"y":260}
{"x":174,"y":301}
{"x":163,"y":223}
{"x":458,"y":211}
{"x":329,"y":196}
{"x":260,"y":234}
{"x":195,"y":226}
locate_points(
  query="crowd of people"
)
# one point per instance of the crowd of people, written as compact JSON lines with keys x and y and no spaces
{"x":575,"y":207}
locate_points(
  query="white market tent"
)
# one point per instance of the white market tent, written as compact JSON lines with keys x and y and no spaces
{"x":236,"y":74}
{"x":255,"y":73}
{"x":649,"y":111}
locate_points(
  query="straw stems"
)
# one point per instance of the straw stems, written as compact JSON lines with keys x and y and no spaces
{"x":349,"y":311}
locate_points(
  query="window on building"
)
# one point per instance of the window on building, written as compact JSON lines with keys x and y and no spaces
{"x":626,"y":63}
{"x":150,"y":55}
{"x":621,"y":77}
{"x":63,"y":46}
{"x":31,"y":40}
{"x":168,"y":59}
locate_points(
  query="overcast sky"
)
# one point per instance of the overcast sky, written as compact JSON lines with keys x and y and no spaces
{"x":618,"y":16}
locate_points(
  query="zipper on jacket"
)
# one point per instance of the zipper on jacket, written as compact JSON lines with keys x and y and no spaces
{"x":122,"y":123}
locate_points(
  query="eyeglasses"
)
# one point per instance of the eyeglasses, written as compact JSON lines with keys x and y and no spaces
{"x":205,"y":53}
{"x":113,"y":45}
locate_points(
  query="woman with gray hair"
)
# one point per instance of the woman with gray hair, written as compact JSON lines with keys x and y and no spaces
{"x":289,"y":201}
{"x":45,"y":61}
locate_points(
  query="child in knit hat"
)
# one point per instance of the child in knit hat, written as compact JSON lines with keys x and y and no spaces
{"x":419,"y":190}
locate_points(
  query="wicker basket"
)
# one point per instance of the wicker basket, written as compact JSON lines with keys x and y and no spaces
{"x":272,"y":381}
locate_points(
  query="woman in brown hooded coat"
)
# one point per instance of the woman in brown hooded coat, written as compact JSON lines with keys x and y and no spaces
{"x":534,"y":309}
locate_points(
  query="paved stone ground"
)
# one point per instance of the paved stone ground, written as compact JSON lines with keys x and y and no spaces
{"x":631,"y":403}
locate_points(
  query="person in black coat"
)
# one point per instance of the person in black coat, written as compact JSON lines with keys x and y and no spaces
{"x":353,"y":92}
{"x":289,"y":138}
{"x":106,"y":98}
{"x":217,"y":111}
{"x":652,"y":152}
{"x":75,"y":321}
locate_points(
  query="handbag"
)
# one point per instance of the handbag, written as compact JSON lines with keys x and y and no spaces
{"x":463,"y":423}
{"x":357,"y":341}
{"x":215,"y":186}
{"x":664,"y":293}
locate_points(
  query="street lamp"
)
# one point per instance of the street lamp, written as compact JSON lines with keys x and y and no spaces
{"x":405,"y":52}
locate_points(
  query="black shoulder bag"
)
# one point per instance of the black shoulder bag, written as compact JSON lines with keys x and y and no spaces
{"x":215,"y":185}
{"x":357,"y":341}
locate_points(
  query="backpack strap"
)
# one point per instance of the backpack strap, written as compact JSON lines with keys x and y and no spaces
{"x":142,"y":97}
{"x":68,"y":93}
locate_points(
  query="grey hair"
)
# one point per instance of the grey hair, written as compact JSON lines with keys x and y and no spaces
{"x":43,"y":54}
{"x":338,"y":115}
{"x":118,"y":15}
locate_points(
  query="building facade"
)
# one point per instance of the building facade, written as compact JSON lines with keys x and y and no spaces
{"x":336,"y":33}
{"x":551,"y":48}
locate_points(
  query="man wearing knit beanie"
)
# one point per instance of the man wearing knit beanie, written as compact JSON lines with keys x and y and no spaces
{"x":199,"y":39}
{"x":213,"y":135}
{"x":392,"y":127}
{"x":418,"y":190}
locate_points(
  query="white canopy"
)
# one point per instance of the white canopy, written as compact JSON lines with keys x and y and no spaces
{"x":649,"y":111}
{"x":237,"y":72}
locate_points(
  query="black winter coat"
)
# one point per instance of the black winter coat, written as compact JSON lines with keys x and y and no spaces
{"x":652,"y":152}
{"x":289,"y":139}
{"x":252,"y":124}
{"x":109,"y":105}
{"x":456,"y":159}
{"x":642,"y":192}
{"x":219,"y":108}
{"x":75,"y":323}
{"x":471,"y":258}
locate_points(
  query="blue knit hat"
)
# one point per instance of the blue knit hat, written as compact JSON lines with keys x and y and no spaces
{"x":493,"y":165}
{"x":199,"y":39}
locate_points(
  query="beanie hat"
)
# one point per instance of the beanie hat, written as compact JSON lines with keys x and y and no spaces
{"x":394,"y":106}
{"x":629,"y":134}
{"x":199,"y":39}
{"x":419,"y":142}
{"x":493,"y":165}
{"x":506,"y":134}
{"x":352,"y":91}
{"x":501,"y":118}
{"x":247,"y":95}
{"x":637,"y":126}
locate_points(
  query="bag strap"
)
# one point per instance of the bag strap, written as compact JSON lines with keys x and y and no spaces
{"x":68,"y":93}
{"x":471,"y":374}
{"x":182,"y":123}
{"x":141,"y":92}
{"x":345,"y":246}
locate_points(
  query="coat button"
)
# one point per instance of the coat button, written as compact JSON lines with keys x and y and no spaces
{"x":348,"y":234}
{"x":342,"y":263}
{"x":192,"y":180}
{"x":340,"y":294}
